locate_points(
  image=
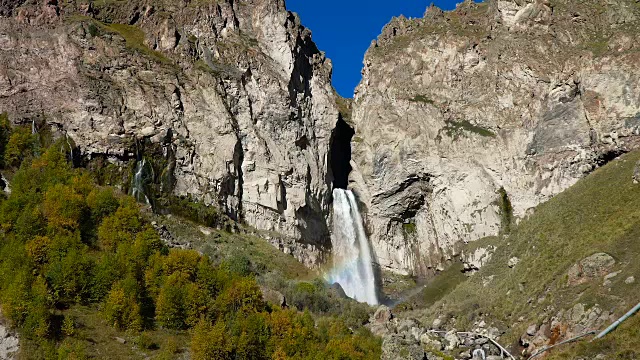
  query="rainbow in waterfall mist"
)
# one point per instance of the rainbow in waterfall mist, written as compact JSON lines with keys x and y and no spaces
{"x":352,"y":260}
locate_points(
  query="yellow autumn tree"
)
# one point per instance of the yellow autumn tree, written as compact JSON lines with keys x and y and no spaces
{"x":210,"y":342}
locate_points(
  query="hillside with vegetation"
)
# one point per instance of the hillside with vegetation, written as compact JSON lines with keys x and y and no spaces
{"x":83,"y":274}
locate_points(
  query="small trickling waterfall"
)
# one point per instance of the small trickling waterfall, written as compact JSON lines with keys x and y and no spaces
{"x":142,"y":175}
{"x":352,"y":260}
{"x":5,"y":185}
{"x":70,"y":145}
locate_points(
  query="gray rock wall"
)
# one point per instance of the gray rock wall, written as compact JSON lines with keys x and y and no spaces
{"x":503,"y":94}
{"x":9,"y":342}
{"x":236,"y":90}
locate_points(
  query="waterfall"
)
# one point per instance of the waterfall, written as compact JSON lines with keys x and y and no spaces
{"x":70,"y":146}
{"x":142,"y":176}
{"x":5,"y":182}
{"x":352,"y":261}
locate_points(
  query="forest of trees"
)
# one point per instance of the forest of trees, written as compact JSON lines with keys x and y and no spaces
{"x":65,"y":241}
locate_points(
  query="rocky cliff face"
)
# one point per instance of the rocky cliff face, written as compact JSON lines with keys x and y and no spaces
{"x":463,"y":119}
{"x":233,"y":98}
{"x":468,"y":117}
{"x":9,"y":341}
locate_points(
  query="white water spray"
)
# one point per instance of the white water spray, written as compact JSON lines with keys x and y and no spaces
{"x":139,"y":181}
{"x":7,"y":186}
{"x":69,"y":145}
{"x":352,"y":261}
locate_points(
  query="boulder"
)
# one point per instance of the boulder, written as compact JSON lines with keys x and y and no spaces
{"x":636,"y":173}
{"x":396,"y":347}
{"x":273,"y":297}
{"x":531,"y":330}
{"x":405,"y":325}
{"x":382,"y":315}
{"x":431,"y":341}
{"x":513,"y":262}
{"x":473,"y":261}
{"x":9,"y":342}
{"x":590,"y":268}
{"x":451,"y":340}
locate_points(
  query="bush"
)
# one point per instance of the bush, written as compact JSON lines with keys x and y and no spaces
{"x":145,"y":341}
{"x":72,"y":350}
{"x":68,"y":326}
{"x":313,"y":297}
{"x":239,"y":265}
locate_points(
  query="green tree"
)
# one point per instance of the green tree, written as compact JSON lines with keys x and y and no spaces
{"x":38,"y":318}
{"x":70,"y":274}
{"x":63,"y":208}
{"x":251,"y":335}
{"x":102,"y":202}
{"x":171,"y":311}
{"x":5,"y":134}
{"x":20,"y":145}
{"x":122,"y":310}
{"x":243,"y":294}
{"x":105,"y":273}
{"x":122,"y":226}
{"x":38,"y":249}
{"x":183,"y":261}
{"x":210,"y":342}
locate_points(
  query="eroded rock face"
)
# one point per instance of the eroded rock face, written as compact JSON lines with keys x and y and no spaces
{"x":566,"y":324}
{"x":589,"y":268}
{"x":9,"y":342}
{"x":473,"y":261}
{"x":235,"y":94}
{"x":509,"y":95}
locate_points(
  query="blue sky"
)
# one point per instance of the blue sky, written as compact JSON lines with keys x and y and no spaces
{"x":344,"y":29}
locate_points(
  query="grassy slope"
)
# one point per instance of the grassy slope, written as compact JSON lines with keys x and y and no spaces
{"x":599,"y":214}
{"x":98,"y":338}
{"x":220,"y":245}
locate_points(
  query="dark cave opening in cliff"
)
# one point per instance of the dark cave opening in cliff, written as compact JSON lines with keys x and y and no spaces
{"x":340,"y":155}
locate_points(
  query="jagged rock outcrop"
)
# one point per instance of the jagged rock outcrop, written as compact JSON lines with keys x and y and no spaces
{"x":234,"y":96}
{"x":494,"y":101}
{"x":9,"y":341}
